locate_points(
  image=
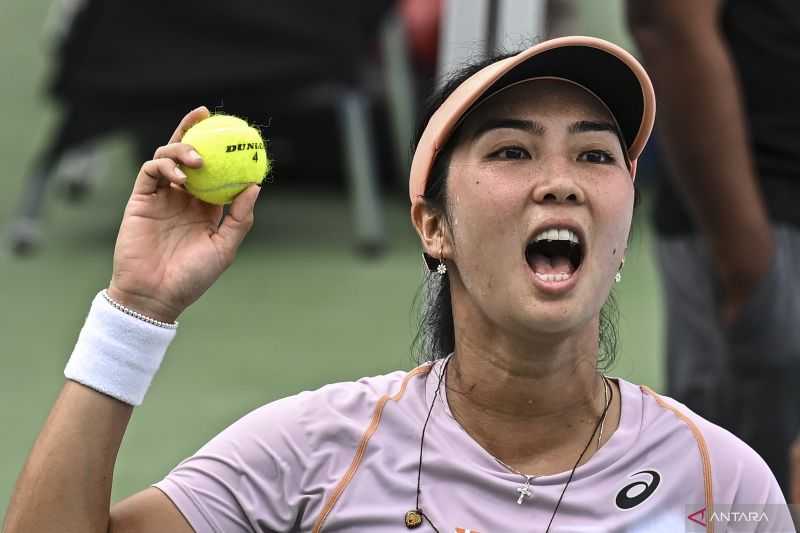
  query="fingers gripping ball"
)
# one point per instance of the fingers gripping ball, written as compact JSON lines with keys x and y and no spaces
{"x":233,"y":158}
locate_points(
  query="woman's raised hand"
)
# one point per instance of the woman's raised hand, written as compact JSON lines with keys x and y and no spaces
{"x":171,"y":246}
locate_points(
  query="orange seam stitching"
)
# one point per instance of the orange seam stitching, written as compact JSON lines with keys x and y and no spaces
{"x":362,"y":446}
{"x":701,"y":444}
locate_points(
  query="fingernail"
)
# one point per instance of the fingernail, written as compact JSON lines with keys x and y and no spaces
{"x":194,"y":155}
{"x":180,"y":173}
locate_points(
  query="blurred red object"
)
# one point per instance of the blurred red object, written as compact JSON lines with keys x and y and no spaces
{"x":422,"y":19}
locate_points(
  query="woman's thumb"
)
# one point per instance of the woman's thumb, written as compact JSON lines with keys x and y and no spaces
{"x":238,"y":221}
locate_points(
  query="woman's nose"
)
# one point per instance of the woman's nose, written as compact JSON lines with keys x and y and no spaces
{"x":558,"y":189}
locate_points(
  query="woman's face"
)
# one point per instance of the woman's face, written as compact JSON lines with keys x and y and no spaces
{"x":540,"y":201}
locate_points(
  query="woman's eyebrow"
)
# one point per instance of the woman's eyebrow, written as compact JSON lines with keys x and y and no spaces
{"x":530,"y":126}
{"x":584,"y":126}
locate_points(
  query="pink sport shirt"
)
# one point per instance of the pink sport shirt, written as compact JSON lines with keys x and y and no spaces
{"x":344,"y":458}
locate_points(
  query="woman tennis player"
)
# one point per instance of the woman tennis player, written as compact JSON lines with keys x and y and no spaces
{"x":522,"y":193}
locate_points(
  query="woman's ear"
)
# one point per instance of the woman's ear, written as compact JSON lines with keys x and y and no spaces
{"x":430,"y":225}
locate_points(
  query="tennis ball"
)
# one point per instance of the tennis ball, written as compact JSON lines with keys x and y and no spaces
{"x":233,"y":158}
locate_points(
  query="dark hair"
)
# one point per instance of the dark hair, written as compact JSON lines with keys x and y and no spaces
{"x":435,"y":337}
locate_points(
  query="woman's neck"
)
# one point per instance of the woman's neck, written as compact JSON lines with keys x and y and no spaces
{"x":533,"y":407}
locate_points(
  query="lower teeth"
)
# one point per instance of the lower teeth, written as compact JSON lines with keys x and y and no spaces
{"x":553,"y":277}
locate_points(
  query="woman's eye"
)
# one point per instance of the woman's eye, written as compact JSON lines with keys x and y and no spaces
{"x":597,"y":156}
{"x":512,"y":152}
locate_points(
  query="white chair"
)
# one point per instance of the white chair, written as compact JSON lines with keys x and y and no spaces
{"x":475,"y":29}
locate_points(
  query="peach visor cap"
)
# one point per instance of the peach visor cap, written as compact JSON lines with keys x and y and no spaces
{"x":609,"y":72}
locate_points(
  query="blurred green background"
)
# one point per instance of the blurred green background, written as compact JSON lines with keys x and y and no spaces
{"x":298,"y":309}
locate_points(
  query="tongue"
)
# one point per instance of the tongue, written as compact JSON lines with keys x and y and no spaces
{"x":559,"y":264}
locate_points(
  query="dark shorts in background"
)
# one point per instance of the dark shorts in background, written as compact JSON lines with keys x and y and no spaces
{"x":745,"y":377}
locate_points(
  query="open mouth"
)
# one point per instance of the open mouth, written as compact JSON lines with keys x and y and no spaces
{"x":554,"y":254}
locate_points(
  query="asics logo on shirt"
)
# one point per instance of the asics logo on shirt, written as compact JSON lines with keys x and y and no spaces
{"x":637,"y":492}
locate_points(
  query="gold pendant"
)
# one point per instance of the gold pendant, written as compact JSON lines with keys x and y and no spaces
{"x":413,"y":519}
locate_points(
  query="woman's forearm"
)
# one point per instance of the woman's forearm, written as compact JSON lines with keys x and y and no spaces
{"x":65,"y":485}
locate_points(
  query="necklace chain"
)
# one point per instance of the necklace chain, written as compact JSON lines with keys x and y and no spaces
{"x":524,"y":490}
{"x":414,"y":517}
{"x":607,"y":403}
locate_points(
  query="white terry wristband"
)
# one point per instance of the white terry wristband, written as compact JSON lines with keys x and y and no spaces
{"x":116,"y":353}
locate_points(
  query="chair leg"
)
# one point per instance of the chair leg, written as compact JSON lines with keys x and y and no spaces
{"x":463,"y":34}
{"x":77,"y":170}
{"x":362,"y":173}
{"x":399,"y":84}
{"x":25,"y":231}
{"x":518,"y":23}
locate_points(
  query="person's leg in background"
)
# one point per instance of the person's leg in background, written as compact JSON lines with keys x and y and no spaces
{"x":794,"y":470}
{"x":764,"y":346}
{"x":695,"y":355}
{"x":744,"y":376}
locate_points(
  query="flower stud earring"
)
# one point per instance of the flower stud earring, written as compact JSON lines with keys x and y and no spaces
{"x":442,"y":268}
{"x":618,"y":276}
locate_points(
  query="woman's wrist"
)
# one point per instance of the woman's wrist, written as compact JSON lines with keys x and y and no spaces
{"x":149,"y":307}
{"x":118,"y":353}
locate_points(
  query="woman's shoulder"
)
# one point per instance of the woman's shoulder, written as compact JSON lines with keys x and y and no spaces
{"x":738,"y":473}
{"x":362,"y":396}
{"x":283,"y":452}
{"x":340,"y":411}
{"x":316,"y":423}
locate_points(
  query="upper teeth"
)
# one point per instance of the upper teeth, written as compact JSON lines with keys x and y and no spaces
{"x":557,"y":234}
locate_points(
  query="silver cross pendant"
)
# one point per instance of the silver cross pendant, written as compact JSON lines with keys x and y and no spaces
{"x":524,"y":491}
